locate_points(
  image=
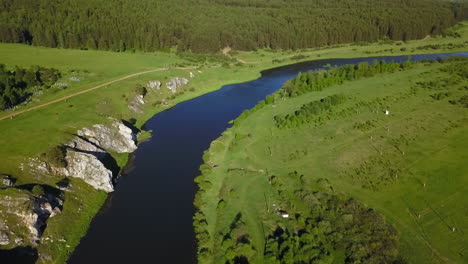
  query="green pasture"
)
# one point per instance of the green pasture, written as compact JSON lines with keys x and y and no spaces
{"x":412,"y":162}
{"x":431,"y":44}
{"x":32,"y":133}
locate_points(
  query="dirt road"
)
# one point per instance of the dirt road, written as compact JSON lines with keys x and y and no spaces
{"x":88,"y":90}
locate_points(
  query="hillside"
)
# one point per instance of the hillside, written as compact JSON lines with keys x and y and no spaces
{"x":210,"y":25}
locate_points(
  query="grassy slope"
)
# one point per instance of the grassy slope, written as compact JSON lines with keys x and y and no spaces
{"x":32,"y":133}
{"x":424,"y":201}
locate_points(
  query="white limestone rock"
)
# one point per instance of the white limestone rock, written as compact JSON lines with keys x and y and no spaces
{"x":87,"y":155}
{"x":4,"y":238}
{"x":88,"y":168}
{"x":116,"y":137}
{"x":87,"y":152}
{"x":137,"y":104}
{"x":83,"y":161}
{"x":6,"y":181}
{"x":20,"y":208}
{"x":155,"y":85}
{"x":175,"y":83}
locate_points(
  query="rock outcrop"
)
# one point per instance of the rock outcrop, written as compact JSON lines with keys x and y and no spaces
{"x":85,"y":161}
{"x":87,"y":155}
{"x":175,"y":83}
{"x":6,"y":181}
{"x":155,"y":85}
{"x":4,"y":238}
{"x":25,"y":215}
{"x":24,"y":212}
{"x":116,"y":138}
{"x":136,"y":105}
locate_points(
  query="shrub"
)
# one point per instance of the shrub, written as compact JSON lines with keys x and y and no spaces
{"x":56,"y":156}
{"x":141,"y":90}
{"x":38,"y":191}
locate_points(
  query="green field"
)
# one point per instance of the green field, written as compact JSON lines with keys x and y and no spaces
{"x":32,"y":133}
{"x":56,"y":121}
{"x":410,"y":166}
{"x":382,"y":48}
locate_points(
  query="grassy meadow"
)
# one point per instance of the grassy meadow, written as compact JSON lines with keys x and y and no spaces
{"x":381,"y":48}
{"x":410,"y":165}
{"x":32,"y":133}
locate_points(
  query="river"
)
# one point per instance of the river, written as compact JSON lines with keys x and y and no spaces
{"x":148,"y":219}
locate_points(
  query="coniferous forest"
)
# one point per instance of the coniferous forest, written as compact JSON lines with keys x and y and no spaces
{"x":209,"y":25}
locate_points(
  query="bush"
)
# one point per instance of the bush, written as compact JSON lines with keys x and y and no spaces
{"x":141,"y":90}
{"x":56,"y":156}
{"x":38,"y":191}
{"x":299,"y":57}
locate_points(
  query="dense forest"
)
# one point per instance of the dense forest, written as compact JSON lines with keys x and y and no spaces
{"x":16,"y":86}
{"x":209,"y":25}
{"x":328,"y":228}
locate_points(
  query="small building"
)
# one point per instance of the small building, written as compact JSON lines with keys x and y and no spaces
{"x":387,"y":112}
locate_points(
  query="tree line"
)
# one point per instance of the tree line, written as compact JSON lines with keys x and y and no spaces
{"x":318,"y":80}
{"x":17,"y":85}
{"x":308,"y":111}
{"x":324,"y":227}
{"x":208,"y":25}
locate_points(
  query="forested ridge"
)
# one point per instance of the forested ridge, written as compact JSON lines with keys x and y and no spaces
{"x":209,"y":25}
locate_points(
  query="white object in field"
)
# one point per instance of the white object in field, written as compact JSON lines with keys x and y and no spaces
{"x":283,"y":213}
{"x":387,"y":112}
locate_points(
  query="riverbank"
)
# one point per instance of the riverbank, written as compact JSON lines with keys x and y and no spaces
{"x":34,"y":132}
{"x":388,"y":141}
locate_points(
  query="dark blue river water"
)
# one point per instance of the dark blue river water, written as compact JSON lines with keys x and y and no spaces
{"x":149,"y":217}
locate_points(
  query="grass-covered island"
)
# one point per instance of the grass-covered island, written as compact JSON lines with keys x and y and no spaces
{"x":358,"y":164}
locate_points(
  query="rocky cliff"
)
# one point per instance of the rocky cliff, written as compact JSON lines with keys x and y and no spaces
{"x":25,"y":209}
{"x":116,"y":137}
{"x":87,"y":155}
{"x":24,"y":214}
{"x":85,"y":161}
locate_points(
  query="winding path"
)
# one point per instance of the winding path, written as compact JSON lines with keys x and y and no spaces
{"x":89,"y":90}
